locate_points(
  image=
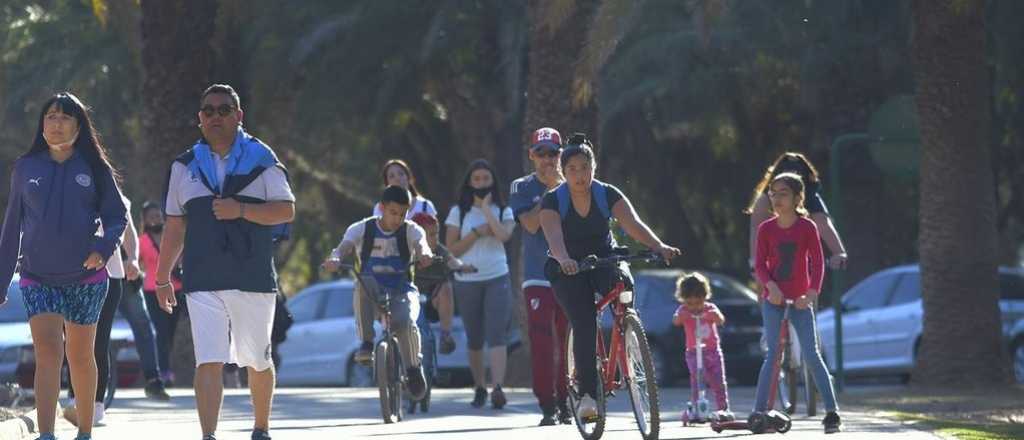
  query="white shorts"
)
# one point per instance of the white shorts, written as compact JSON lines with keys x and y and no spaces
{"x":232,"y":327}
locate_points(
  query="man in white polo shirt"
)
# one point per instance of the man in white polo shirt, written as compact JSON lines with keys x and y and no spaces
{"x":224,"y":195}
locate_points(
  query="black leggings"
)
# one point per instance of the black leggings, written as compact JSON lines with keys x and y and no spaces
{"x":576,"y":295}
{"x":102,"y":344}
{"x":165,"y":325}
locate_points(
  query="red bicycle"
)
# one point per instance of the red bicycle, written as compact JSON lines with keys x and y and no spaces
{"x":625,"y":362}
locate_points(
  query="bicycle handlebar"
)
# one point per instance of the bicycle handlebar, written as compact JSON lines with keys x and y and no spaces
{"x":592,"y":262}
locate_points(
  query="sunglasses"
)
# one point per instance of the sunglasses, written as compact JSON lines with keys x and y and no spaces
{"x":546,"y":152}
{"x":222,"y":110}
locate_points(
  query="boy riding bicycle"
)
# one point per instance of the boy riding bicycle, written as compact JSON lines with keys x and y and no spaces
{"x":387,"y":245}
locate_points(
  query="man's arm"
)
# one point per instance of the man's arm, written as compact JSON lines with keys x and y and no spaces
{"x":171,"y":244}
{"x":270,"y":213}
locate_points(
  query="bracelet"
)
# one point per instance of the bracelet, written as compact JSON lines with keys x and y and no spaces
{"x":160,"y":285}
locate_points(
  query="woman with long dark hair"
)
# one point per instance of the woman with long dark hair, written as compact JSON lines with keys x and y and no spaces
{"x":397,"y":172}
{"x":60,"y":189}
{"x":575,"y":218}
{"x":478,"y":227}
{"x":760,"y":208}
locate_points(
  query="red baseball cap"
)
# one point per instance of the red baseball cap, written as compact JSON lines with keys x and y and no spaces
{"x":423,"y":219}
{"x":546,"y":136}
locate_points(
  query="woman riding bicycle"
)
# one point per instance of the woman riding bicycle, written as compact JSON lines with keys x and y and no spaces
{"x":578,"y":227}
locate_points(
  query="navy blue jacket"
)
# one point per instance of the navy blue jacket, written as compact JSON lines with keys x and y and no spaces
{"x":53,"y":213}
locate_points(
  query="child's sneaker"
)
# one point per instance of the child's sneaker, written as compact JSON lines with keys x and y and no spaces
{"x":209,"y":437}
{"x":725,"y":416}
{"x":259,"y":434}
{"x":83,"y":436}
{"x":832,"y":423}
{"x":47,"y":436}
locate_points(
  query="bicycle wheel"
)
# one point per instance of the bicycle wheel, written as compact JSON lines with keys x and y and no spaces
{"x":382,"y":373}
{"x":396,"y":380}
{"x":589,"y":429}
{"x":641,"y":377}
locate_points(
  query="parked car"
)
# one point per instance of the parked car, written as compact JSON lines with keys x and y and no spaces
{"x":1017,"y":349}
{"x":740,"y":337}
{"x":321,"y":344}
{"x":17,"y":357}
{"x":882,"y":320}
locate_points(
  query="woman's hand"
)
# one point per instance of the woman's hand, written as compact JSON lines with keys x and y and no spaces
{"x":837,"y":261}
{"x":667,"y":252}
{"x":569,"y":266}
{"x":94,"y":261}
{"x":483,"y":230}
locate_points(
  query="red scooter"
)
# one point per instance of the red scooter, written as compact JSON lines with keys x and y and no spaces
{"x":770,"y":420}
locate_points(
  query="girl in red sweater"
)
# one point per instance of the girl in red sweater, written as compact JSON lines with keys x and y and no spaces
{"x":790,"y":264}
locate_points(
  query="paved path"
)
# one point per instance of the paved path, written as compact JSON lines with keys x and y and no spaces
{"x":334,"y":413}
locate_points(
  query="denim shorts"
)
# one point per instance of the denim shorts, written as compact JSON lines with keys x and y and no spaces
{"x":77,"y":303}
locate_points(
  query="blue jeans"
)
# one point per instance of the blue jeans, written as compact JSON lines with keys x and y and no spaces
{"x":803,"y":322}
{"x":133,"y":308}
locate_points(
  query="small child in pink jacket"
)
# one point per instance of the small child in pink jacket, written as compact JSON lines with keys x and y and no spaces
{"x":693,"y":293}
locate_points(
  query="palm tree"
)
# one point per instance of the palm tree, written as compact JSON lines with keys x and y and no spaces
{"x":177,"y":60}
{"x":961,"y":342}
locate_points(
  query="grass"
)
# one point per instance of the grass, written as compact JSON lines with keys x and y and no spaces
{"x":964,"y":430}
{"x":966,"y":414}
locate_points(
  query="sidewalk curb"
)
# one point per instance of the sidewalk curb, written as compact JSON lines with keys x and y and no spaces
{"x":18,"y":428}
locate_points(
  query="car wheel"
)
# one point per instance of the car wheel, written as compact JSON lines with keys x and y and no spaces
{"x":357,"y":375}
{"x":1018,"y":360}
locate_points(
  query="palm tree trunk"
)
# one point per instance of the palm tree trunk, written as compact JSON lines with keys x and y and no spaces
{"x":178,"y":60}
{"x":961,"y":342}
{"x":553,"y":57}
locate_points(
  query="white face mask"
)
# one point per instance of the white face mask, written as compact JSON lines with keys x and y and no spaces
{"x":62,"y":145}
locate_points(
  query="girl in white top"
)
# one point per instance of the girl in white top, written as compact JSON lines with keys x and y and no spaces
{"x":478,"y":227}
{"x":397,"y":172}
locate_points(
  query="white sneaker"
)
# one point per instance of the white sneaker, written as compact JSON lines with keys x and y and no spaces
{"x":588,"y":409}
{"x":97,"y":413}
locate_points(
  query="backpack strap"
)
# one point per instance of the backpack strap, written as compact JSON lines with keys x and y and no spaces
{"x":369,"y":232}
{"x":564,"y":200}
{"x":403,"y":243}
{"x":600,"y":192}
{"x":597,"y":189}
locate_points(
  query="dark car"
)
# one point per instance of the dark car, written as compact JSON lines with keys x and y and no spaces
{"x":740,"y":336}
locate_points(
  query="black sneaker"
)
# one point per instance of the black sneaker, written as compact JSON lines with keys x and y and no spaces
{"x":417,"y":383}
{"x":155,"y":390}
{"x":209,"y":437}
{"x":365,"y":353}
{"x":259,"y":434}
{"x":447,"y":343}
{"x":479,"y":397}
{"x":564,"y":416}
{"x":832,"y":423}
{"x":498,"y":399}
{"x":548,"y":418}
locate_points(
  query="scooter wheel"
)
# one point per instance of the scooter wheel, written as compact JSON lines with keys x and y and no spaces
{"x":785,"y":427}
{"x":758,"y":423}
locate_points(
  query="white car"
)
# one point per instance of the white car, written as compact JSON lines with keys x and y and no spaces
{"x":882,"y":320}
{"x":1017,"y":349}
{"x":322,"y":341}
